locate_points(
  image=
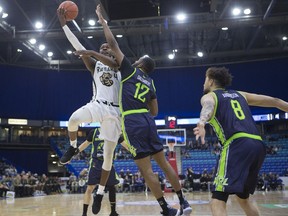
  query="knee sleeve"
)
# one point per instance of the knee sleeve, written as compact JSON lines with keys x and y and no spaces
{"x":108,"y":154}
{"x":82,"y":115}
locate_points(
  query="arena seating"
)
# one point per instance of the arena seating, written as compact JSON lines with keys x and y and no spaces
{"x":199,"y":160}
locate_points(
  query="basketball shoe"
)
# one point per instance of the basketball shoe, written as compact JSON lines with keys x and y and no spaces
{"x":96,"y":206}
{"x":187,"y":210}
{"x":68,"y":155}
{"x":114,"y":214}
{"x":172,"y":212}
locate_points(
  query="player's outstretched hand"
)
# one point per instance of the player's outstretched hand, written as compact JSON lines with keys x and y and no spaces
{"x":200,"y":132}
{"x":61,"y":16}
{"x":100,"y":16}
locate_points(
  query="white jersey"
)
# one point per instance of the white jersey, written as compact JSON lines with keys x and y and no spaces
{"x":107,"y":83}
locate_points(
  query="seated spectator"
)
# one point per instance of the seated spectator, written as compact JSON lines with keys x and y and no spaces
{"x":204,"y":182}
{"x":272,"y":182}
{"x":3,"y":190}
{"x":138,"y":184}
{"x":127,"y":184}
{"x":260,"y":183}
{"x":82,"y":185}
{"x":18,"y":187}
{"x":189,"y":181}
{"x":279,"y":183}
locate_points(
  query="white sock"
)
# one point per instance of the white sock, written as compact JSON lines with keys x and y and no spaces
{"x":73,"y":143}
{"x":100,"y":189}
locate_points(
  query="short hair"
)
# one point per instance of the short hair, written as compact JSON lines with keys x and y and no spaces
{"x":220,"y":75}
{"x":148,"y":64}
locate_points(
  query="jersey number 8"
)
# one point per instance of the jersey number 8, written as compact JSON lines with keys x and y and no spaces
{"x":237,"y":109}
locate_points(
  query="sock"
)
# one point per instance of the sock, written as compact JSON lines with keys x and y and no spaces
{"x":85,"y":208}
{"x":100,"y":189}
{"x":113,"y":206}
{"x":73,"y":143}
{"x":180,"y":196}
{"x":163,"y":204}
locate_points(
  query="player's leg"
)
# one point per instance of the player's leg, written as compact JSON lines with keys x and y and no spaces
{"x":145,"y":167}
{"x":112,"y":200}
{"x":87,"y":198}
{"x":249,"y":208}
{"x":108,"y":154}
{"x":256,"y":158}
{"x":79,"y":116}
{"x":110,"y":132}
{"x":218,"y":203}
{"x":218,"y":206}
{"x":173,"y":179}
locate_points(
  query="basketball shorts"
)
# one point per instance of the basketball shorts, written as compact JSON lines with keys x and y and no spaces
{"x":109,"y":118}
{"x":141,"y":133}
{"x":94,"y":174}
{"x":238,"y":166}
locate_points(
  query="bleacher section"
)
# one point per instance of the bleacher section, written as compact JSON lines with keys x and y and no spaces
{"x":278,"y":162}
{"x":198,"y":160}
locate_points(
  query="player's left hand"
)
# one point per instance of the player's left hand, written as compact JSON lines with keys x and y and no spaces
{"x":200,"y":132}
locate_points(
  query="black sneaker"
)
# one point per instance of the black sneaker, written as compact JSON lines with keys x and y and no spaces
{"x":172,"y":212}
{"x":96,"y":206}
{"x":114,"y":214}
{"x":187,"y":210}
{"x":68,"y":155}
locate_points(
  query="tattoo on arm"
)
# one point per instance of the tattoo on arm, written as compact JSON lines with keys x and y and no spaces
{"x":207,"y":111}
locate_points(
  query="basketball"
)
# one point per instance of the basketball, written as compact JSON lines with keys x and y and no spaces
{"x":71,"y":10}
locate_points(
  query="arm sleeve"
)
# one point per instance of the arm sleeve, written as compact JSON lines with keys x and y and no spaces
{"x":72,"y":38}
{"x":126,"y":68}
{"x":89,"y":138}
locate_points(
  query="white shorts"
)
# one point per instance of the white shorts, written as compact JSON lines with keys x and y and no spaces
{"x":109,"y":118}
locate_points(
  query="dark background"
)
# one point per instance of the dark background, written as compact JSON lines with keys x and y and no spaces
{"x":39,"y":94}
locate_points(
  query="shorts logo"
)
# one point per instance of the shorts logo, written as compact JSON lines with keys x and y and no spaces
{"x":220,"y":181}
{"x":132,"y":150}
{"x":106,"y":79}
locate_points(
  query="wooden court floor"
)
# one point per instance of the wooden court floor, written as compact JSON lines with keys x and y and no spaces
{"x":273,"y":203}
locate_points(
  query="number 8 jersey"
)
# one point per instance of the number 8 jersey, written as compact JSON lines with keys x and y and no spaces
{"x":232,"y":115}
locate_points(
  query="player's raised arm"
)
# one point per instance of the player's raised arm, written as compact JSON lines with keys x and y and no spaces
{"x":265,"y":101}
{"x":89,"y":62}
{"x":104,"y":59}
{"x":110,"y":37}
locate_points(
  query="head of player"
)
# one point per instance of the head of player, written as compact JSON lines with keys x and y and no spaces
{"x":145,"y":64}
{"x":217,"y":78}
{"x":105,"y":49}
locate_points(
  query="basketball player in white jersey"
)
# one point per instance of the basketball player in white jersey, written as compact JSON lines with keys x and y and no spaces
{"x":102,"y":108}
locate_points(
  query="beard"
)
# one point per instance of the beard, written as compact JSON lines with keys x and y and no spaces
{"x":206,"y":91}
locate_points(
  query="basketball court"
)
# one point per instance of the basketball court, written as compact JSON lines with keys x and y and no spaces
{"x":269,"y":203}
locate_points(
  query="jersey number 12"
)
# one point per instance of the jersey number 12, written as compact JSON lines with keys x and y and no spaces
{"x":141,"y":91}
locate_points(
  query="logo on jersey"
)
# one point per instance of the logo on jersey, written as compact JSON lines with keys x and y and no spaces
{"x":106,"y":79}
